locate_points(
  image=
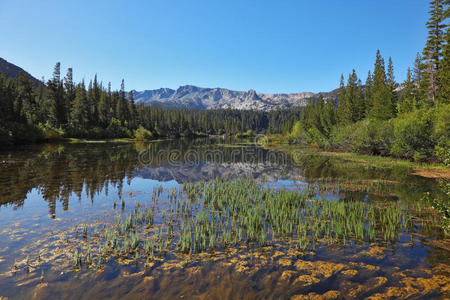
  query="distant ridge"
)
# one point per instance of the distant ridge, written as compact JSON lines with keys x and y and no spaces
{"x":193,"y":97}
{"x":11,"y":70}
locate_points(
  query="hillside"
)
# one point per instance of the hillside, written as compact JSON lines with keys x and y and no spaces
{"x":11,"y":70}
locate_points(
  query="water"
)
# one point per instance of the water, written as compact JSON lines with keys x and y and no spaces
{"x":46,"y":191}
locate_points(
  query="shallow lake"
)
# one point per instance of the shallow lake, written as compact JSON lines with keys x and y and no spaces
{"x":70,"y":213}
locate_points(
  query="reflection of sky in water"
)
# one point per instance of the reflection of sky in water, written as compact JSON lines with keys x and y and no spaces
{"x":135,"y":183}
{"x":33,"y":219}
{"x":35,"y":211}
{"x":138,"y":184}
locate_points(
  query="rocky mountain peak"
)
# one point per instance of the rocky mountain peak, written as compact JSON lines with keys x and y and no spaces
{"x":193,"y":97}
{"x":251,"y":95}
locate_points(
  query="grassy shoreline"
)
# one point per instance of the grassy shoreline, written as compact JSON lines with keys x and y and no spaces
{"x":430,"y":170}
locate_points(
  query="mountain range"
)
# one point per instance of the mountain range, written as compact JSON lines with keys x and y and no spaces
{"x":193,"y":97}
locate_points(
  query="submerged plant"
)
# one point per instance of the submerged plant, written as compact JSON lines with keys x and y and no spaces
{"x":224,"y":213}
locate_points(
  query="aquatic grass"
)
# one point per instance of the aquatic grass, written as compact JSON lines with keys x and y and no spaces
{"x":84,"y":230}
{"x":148,"y":248}
{"x":227,"y":213}
{"x":76,"y":260}
{"x":15,"y":267}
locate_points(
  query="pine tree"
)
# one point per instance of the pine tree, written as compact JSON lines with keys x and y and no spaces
{"x":391,"y":85}
{"x":103,"y":109}
{"x":132,"y":110}
{"x":121,"y":104}
{"x":360,"y":103}
{"x":352,"y":95}
{"x":381,"y":106}
{"x":432,"y":52}
{"x":423,"y":88}
{"x":343,"y":108}
{"x":111,"y":103}
{"x":25,"y":96}
{"x":3,"y":104}
{"x":444,"y":69}
{"x":96,"y":91}
{"x":41,"y":99}
{"x":57,"y":72}
{"x":327,"y":117}
{"x":90,"y":105}
{"x":54,"y":101}
{"x":80,"y":108}
{"x":368,"y":93}
{"x":407,"y":100}
{"x":416,"y":78}
{"x":417,"y":71}
{"x":69,"y":93}
{"x":319,"y":117}
{"x":349,"y":107}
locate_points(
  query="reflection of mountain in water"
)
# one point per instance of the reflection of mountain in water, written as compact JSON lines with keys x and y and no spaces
{"x":61,"y":171}
{"x":209,"y":170}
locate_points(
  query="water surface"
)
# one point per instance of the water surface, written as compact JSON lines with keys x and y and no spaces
{"x":48,"y":192}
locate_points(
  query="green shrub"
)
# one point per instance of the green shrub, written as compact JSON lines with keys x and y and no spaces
{"x":442,"y":133}
{"x":414,"y":135}
{"x":270,"y":139}
{"x":443,"y":154}
{"x":117,"y":130}
{"x":301,"y":134}
{"x":367,"y":136}
{"x":315,"y":138}
{"x":298,"y":134}
{"x":142,"y":134}
{"x":49,"y":133}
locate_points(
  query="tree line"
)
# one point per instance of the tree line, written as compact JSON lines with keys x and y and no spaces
{"x":409,"y":120}
{"x":61,"y":108}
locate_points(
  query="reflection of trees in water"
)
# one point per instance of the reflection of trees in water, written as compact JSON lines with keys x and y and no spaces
{"x":57,"y":171}
{"x":409,"y":187}
{"x":206,"y":150}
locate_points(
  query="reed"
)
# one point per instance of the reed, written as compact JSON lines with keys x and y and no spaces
{"x":224,"y":213}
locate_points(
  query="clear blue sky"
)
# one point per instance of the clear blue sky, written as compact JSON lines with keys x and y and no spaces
{"x":270,"y":46}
